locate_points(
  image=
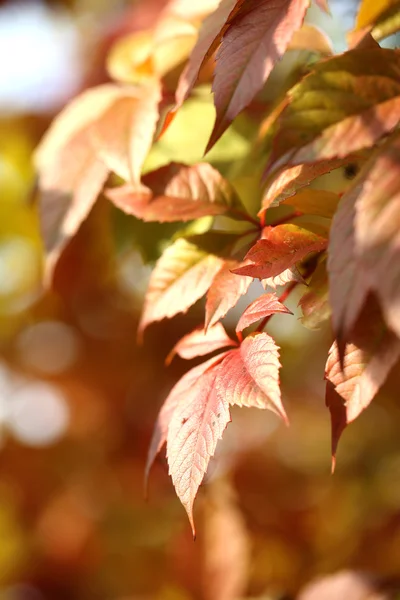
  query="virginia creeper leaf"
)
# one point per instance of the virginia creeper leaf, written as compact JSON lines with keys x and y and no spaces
{"x":370,"y":11}
{"x":197,"y":424}
{"x":322,"y":203}
{"x":256,"y":39}
{"x":177,"y":394}
{"x":264,"y":306}
{"x":200,"y":342}
{"x":249,"y":376}
{"x":226,"y":565}
{"x":181,"y":276}
{"x":282,"y":247}
{"x":347,"y":103}
{"x":371,"y":352}
{"x":176,"y":192}
{"x":291,"y":274}
{"x":315,"y":302}
{"x":377,"y":234}
{"x":224,"y":292}
{"x":311,"y":38}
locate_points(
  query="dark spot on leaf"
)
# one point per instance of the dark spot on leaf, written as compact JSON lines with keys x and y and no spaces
{"x":218,"y":415}
{"x":184,"y":420}
{"x":351,"y":170}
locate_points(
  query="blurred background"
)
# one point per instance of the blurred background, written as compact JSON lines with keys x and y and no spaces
{"x":78,"y":397}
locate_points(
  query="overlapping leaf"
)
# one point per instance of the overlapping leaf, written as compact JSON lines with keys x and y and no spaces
{"x":372,"y":14}
{"x":315,"y":302}
{"x":224,"y":292}
{"x":177,"y":395}
{"x":289,"y":275}
{"x":347,"y":103}
{"x":311,"y":38}
{"x":256,"y":39}
{"x":176,"y":192}
{"x":200,"y":342}
{"x":322,"y":203}
{"x":194,"y":430}
{"x":281,"y":247}
{"x":181,"y":276}
{"x":249,"y":376}
{"x":371,"y":352}
{"x":264,"y":306}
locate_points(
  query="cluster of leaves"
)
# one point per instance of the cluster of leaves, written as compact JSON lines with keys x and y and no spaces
{"x":343,"y":110}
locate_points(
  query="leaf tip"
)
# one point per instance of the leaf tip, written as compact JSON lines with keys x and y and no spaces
{"x":333,"y":463}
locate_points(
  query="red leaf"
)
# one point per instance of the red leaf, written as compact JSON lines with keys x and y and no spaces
{"x":256,"y":39}
{"x":262,"y":307}
{"x":369,"y":355}
{"x":200,"y":342}
{"x":226,"y":545}
{"x":249,"y":376}
{"x":196,"y":426}
{"x":224,"y":292}
{"x":377,"y":228}
{"x":282,"y":247}
{"x":176,"y":192}
{"x":181,"y":276}
{"x":177,"y":394}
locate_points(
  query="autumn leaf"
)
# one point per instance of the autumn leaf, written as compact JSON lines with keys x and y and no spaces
{"x":289,"y":275}
{"x":322,"y":203}
{"x":371,"y":11}
{"x":315,"y":301}
{"x":249,"y":376}
{"x":226,"y":547}
{"x":281,"y":247}
{"x":256,"y":39}
{"x":264,"y":306}
{"x":348,"y":103}
{"x":197,"y":424}
{"x":224,"y":292}
{"x":311,"y":38}
{"x":181,"y":276}
{"x":177,"y":394}
{"x":200,"y":342}
{"x":371,"y":352}
{"x":176,"y":192}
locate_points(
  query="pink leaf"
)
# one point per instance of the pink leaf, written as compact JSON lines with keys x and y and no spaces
{"x":262,"y":307}
{"x":181,"y":276}
{"x":371,"y":352}
{"x":249,"y":376}
{"x":177,"y":394}
{"x":224,"y":292}
{"x":196,"y":426}
{"x":256,"y":39}
{"x":281,"y":247}
{"x":200,"y":342}
{"x":176,"y":192}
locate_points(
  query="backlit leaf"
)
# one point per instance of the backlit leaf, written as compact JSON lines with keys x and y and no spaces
{"x":181,"y":276}
{"x":291,"y":274}
{"x":197,"y":424}
{"x":315,"y":302}
{"x":322,"y":203}
{"x":311,"y":38}
{"x":347,"y":103}
{"x":224,"y":292}
{"x":200,"y":342}
{"x":176,"y":395}
{"x":264,"y":306}
{"x":176,"y":192}
{"x":249,"y":376}
{"x":282,"y":247}
{"x":370,"y":11}
{"x":257,"y":37}
{"x":371,"y":352}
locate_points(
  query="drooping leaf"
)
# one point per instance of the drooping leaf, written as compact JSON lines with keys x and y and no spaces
{"x":249,"y":376}
{"x":310,"y":201}
{"x":281,"y":247}
{"x":197,"y":424}
{"x":224,"y":292}
{"x":226,"y":547}
{"x":311,"y":38}
{"x":371,"y":352}
{"x":287,"y":276}
{"x":181,"y":276}
{"x":176,"y":192}
{"x":264,"y":306}
{"x":200,"y":342}
{"x":256,"y":38}
{"x":377,"y":234}
{"x":290,"y":180}
{"x":176,"y":396}
{"x":315,"y":302}
{"x":348,"y":103}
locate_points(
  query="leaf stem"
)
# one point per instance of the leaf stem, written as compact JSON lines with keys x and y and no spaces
{"x":244,"y":216}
